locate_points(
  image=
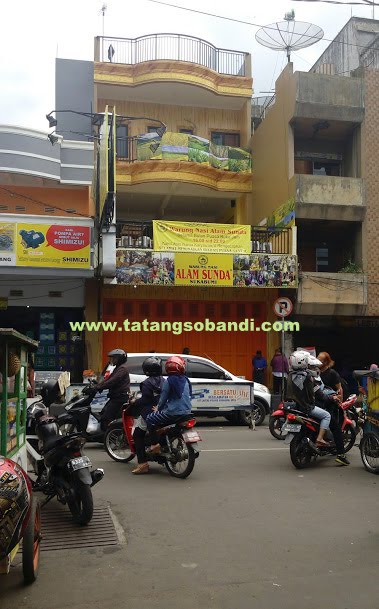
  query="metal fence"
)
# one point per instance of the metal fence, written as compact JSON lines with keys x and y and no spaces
{"x":172,"y":47}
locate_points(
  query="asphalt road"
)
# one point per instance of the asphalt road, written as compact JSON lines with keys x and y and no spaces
{"x":245,"y":531}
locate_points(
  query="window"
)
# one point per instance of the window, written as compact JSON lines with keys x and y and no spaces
{"x":188,"y":131}
{"x":225,"y":139}
{"x":200,"y":370}
{"x":135,"y":364}
{"x":326,"y":168}
{"x":122,"y":142}
{"x":322,"y":259}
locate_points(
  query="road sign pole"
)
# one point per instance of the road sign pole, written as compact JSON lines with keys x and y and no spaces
{"x":282,"y":388}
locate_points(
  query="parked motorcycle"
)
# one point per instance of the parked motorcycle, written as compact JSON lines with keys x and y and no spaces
{"x":79,"y":418}
{"x":61,"y":468}
{"x":181,"y":448}
{"x":278,"y":418}
{"x":302,"y":432}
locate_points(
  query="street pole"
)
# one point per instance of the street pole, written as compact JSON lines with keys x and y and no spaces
{"x":282,"y":388}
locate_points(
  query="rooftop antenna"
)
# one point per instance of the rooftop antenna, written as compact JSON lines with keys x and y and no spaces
{"x":289,"y":35}
{"x":102,"y":10}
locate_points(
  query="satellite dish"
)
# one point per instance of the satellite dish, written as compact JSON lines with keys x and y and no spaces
{"x":289,"y":35}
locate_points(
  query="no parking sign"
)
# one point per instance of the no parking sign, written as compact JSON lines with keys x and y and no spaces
{"x":283,"y":306}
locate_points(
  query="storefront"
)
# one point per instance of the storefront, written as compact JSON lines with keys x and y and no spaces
{"x":15,"y":349}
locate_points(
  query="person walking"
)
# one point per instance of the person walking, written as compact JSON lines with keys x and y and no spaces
{"x":279,"y":365}
{"x":259,"y":366}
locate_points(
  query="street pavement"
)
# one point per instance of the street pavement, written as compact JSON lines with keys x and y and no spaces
{"x":245,"y":531}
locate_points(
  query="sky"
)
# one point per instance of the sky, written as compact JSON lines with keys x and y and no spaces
{"x":35,"y":32}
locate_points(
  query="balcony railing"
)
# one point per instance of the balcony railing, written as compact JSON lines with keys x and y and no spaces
{"x":183,"y":147}
{"x":172,"y":47}
{"x":263,"y":241}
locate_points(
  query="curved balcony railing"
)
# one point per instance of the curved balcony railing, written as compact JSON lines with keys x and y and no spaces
{"x":175,"y":47}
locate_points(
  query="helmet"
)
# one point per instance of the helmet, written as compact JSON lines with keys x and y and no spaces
{"x":313,"y":361}
{"x":152,"y":366}
{"x":120,"y":354}
{"x":15,"y":497}
{"x":175,"y":365}
{"x":299,"y":360}
{"x":50,"y":392}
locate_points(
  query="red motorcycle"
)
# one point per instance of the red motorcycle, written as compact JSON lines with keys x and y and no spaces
{"x":20,"y":520}
{"x":278,"y":418}
{"x":302,"y":431}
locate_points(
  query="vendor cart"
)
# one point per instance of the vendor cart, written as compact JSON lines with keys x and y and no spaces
{"x":369,"y":445}
{"x":15,"y":349}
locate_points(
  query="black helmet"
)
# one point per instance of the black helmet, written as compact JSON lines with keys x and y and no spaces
{"x":152,"y":366}
{"x":50,"y":392}
{"x":120,"y":354}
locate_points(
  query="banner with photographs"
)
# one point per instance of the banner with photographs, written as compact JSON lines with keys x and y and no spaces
{"x":185,"y":147}
{"x":147,"y":267}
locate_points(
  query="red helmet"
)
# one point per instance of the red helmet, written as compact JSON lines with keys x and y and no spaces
{"x":175,"y":365}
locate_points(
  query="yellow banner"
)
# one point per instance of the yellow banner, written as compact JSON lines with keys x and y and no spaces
{"x":53,"y":245}
{"x":199,"y":237}
{"x":204,"y":269}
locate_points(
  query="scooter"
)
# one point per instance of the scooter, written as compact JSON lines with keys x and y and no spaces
{"x":79,"y":418}
{"x":278,"y":417}
{"x":302,"y":432}
{"x":180,"y":444}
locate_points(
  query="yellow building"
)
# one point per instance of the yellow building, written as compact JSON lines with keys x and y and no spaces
{"x":199,"y":171}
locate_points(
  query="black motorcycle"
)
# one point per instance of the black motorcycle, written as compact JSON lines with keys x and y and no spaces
{"x":63,"y":472}
{"x":79,"y":418}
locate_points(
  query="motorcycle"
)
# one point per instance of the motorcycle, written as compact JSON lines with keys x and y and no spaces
{"x":79,"y":418}
{"x":302,"y":432}
{"x":180,"y":444}
{"x":278,"y":417}
{"x":61,"y":468}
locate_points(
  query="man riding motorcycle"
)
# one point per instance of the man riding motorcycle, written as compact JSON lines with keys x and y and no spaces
{"x":118,"y":384}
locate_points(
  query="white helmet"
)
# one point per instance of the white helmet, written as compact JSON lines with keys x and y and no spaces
{"x":299,"y":360}
{"x":313,"y":361}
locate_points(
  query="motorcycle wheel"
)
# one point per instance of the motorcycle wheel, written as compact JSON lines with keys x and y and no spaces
{"x":369,"y":448}
{"x":256,"y":414}
{"x":183,"y":468}
{"x":301,"y":455}
{"x":81,"y":506}
{"x":275,"y":426}
{"x":349,"y":437}
{"x":117,"y":445}
{"x":31,"y":544}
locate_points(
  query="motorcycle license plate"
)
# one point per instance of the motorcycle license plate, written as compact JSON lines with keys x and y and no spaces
{"x":291,"y":428}
{"x":80,"y":463}
{"x":191,"y":436}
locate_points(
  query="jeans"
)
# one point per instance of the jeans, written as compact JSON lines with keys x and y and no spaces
{"x":321,"y":414}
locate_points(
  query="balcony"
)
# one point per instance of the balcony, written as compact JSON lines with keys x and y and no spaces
{"x":324,"y":97}
{"x":329,"y":197}
{"x":332,"y":294}
{"x":183,"y":158}
{"x":171,"y":58}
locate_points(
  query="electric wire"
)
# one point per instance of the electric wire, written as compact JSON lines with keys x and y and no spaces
{"x":257,"y":25}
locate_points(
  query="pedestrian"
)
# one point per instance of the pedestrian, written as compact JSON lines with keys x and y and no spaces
{"x":186,"y":351}
{"x":31,"y":380}
{"x":259,"y":365}
{"x":279,"y":365}
{"x":329,"y":376}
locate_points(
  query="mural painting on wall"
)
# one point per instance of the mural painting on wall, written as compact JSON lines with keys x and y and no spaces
{"x":147,"y":267}
{"x":184,"y":147}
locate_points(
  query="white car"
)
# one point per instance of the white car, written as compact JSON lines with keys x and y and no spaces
{"x":216,"y":392}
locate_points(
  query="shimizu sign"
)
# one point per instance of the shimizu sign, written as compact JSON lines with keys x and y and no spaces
{"x":200,"y":237}
{"x":204,"y":269}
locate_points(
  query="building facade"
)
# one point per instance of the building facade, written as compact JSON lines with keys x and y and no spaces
{"x":315,"y":143}
{"x":46,"y":242}
{"x":197,"y":171}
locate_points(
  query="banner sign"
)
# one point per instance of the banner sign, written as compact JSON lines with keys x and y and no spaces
{"x":281,"y":217}
{"x":185,"y":147}
{"x":45,"y":245}
{"x":204,"y":237}
{"x":147,"y":267}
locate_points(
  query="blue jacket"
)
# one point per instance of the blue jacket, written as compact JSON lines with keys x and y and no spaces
{"x":175,"y":406}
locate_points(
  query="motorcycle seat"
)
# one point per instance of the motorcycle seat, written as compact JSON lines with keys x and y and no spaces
{"x":56,"y":441}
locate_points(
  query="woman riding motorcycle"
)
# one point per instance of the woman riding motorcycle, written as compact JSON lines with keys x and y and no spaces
{"x":300,"y":388}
